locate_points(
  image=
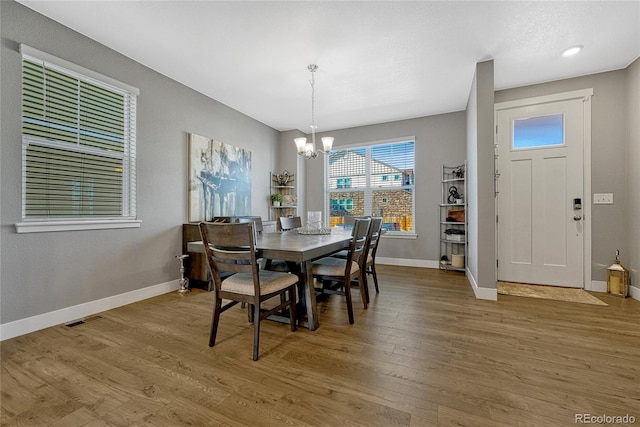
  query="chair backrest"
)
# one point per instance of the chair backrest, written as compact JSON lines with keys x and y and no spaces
{"x":353,"y":219}
{"x":222,"y":219}
{"x":374,"y":236}
{"x":348,"y":221}
{"x":290,"y":222}
{"x":230,"y":248}
{"x":358,"y":242}
{"x":257,"y":220}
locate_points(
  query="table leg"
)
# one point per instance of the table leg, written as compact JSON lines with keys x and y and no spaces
{"x":310,"y":297}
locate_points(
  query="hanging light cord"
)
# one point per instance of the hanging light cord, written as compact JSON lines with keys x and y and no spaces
{"x":308,"y":149}
{"x":313,"y":69}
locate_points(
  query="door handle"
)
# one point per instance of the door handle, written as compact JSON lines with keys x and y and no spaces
{"x":577,"y":217}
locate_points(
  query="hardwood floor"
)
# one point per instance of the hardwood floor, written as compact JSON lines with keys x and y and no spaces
{"x":425,"y":353}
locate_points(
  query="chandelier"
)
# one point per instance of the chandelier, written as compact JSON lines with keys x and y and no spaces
{"x":308,"y":149}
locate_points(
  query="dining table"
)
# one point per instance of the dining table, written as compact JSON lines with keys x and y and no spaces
{"x":299,"y":251}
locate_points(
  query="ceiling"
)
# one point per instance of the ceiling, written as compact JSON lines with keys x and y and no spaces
{"x":378,"y":61}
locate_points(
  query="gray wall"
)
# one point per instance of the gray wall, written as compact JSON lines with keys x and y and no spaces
{"x":610,"y":229}
{"x":480,"y":160}
{"x":439,"y":139}
{"x":289,"y":160}
{"x":632,"y":258}
{"x":43,"y":272}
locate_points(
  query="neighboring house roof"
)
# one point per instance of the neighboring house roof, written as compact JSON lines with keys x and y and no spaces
{"x":345,"y":159}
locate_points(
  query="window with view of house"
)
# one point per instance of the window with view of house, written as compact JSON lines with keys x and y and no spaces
{"x":78,"y":143}
{"x":377,"y":180}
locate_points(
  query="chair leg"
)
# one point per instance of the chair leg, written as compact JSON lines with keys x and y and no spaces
{"x":366,"y":285}
{"x":293,"y":314}
{"x":364,"y":292}
{"x":214,"y":322}
{"x":375,"y":277}
{"x":256,"y":331}
{"x":347,"y":294}
{"x":250,"y":313}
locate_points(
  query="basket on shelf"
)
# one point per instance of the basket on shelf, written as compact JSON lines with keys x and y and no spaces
{"x":456,"y":214}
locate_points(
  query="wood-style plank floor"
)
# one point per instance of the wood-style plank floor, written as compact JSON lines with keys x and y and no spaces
{"x":425,"y":353}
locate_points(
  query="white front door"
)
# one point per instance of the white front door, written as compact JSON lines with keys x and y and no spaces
{"x":540,"y":189}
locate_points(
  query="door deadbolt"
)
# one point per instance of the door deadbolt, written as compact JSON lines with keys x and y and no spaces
{"x":577,"y":204}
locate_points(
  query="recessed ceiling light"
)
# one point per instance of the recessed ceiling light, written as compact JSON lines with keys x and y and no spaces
{"x":572,"y":50}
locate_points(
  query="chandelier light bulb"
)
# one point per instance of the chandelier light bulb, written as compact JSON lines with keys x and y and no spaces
{"x":300,"y":144}
{"x":327,"y":143}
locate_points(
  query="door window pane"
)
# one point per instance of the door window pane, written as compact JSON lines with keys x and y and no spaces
{"x":543,"y":131}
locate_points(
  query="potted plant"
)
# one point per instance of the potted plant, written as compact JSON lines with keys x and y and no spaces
{"x":276,"y":199}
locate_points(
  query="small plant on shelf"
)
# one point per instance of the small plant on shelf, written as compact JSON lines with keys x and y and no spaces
{"x":276,"y":199}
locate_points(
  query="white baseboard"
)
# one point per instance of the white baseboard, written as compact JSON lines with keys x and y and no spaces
{"x":405,"y":262}
{"x":634,"y":292}
{"x":76,"y":312}
{"x":490,"y":294}
{"x":598,"y":286}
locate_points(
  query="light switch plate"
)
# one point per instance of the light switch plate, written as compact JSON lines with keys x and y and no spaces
{"x":603,"y":198}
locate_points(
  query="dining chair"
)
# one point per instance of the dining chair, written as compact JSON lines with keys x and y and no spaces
{"x":257,"y":220}
{"x":366,"y":259}
{"x":290,"y":222}
{"x":348,"y":221}
{"x":231,"y":248}
{"x":369,"y":259}
{"x":336,"y":274}
{"x":221,"y":219}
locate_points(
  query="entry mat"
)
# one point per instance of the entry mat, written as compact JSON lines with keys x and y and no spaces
{"x":548,"y":292}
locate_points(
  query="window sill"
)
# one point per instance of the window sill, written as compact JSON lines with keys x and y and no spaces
{"x":71,"y":225}
{"x":390,"y":235}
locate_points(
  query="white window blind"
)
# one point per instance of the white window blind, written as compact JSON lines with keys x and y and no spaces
{"x":78,"y":139}
{"x":376,"y":180}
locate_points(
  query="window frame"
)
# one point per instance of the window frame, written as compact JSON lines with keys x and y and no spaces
{"x":367,"y":189}
{"x":128,"y":218}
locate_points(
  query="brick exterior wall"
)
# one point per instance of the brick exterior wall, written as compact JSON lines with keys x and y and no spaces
{"x":398,"y":203}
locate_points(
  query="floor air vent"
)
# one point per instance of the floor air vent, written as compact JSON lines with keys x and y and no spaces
{"x":74,"y":323}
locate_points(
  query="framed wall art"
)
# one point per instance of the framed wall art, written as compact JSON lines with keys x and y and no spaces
{"x":219,"y":179}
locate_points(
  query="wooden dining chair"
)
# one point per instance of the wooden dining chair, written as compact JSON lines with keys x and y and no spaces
{"x":290,"y":222}
{"x":258,"y":227}
{"x":366,"y":259}
{"x":231,"y":248}
{"x":348,"y":221}
{"x":257,"y":220}
{"x":336,"y":274}
{"x":373,"y":241}
{"x":222,"y":219}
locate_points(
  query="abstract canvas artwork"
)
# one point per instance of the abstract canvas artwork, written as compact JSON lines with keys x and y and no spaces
{"x":219,"y":179}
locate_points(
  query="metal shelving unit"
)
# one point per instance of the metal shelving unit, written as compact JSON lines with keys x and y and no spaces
{"x":452,"y":218}
{"x":289,"y":204}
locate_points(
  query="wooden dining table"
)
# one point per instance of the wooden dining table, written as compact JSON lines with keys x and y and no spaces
{"x":298,"y":250}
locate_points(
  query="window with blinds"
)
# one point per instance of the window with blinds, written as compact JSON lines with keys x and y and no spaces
{"x":78,"y":143}
{"x":376,"y":180}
